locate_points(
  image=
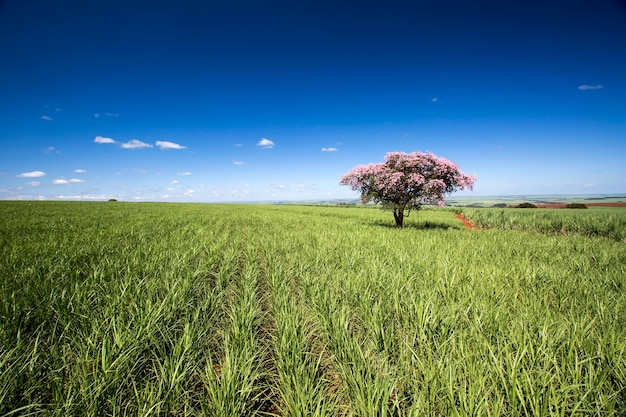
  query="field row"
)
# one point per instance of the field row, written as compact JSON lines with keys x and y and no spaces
{"x":181,"y":309}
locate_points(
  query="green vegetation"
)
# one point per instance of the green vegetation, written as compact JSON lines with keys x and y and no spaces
{"x":190,"y":309}
{"x":526,"y":205}
{"x":576,"y":206}
{"x":598,"y":222}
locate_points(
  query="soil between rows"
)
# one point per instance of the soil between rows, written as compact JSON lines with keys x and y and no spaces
{"x":466,"y":222}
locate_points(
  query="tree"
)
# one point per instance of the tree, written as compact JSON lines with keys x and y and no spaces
{"x":405,"y":181}
{"x":526,"y":205}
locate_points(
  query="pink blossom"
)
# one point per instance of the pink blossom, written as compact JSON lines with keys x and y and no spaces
{"x":407,"y":180}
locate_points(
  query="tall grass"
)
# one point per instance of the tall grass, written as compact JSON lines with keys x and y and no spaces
{"x":182,"y":309}
{"x":232,"y":382}
{"x":597,"y":222}
{"x":302,"y":387}
{"x":112,"y":317}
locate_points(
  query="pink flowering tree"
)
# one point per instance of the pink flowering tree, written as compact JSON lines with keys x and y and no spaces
{"x":405,"y":181}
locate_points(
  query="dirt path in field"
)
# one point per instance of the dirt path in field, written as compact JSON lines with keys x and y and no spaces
{"x":466,"y":222}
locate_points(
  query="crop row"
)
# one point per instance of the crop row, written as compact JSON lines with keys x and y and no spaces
{"x":181,"y":309}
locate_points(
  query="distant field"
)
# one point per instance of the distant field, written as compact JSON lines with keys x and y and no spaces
{"x":551,"y":200}
{"x":229,"y":310}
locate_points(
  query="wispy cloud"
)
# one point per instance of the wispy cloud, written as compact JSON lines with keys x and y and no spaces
{"x":586,"y":87}
{"x":238,"y":145}
{"x":80,"y":171}
{"x":102,"y":139}
{"x":238,"y":162}
{"x":44,"y":117}
{"x":265,"y":143}
{"x":34,"y":183}
{"x":31,"y":174}
{"x":135,"y":144}
{"x":162,"y":144}
{"x":330,"y":150}
{"x":435,"y":99}
{"x":183,"y":174}
{"x":132,"y":171}
{"x":96,"y":115}
{"x":84,"y":196}
{"x":60,"y":181}
{"x":174,"y":182}
{"x":51,"y":149}
{"x":11,"y":190}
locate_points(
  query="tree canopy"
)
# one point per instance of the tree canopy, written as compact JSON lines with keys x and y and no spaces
{"x":405,"y":181}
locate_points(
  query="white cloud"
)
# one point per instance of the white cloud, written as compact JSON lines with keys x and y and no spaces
{"x":44,"y":117}
{"x":238,"y":145}
{"x":183,"y":174}
{"x":265,"y":143}
{"x":169,"y":145}
{"x":34,"y":183}
{"x":96,"y":115}
{"x":135,"y":144}
{"x":31,"y":174}
{"x":330,"y":149}
{"x":238,"y":163}
{"x":77,"y":180}
{"x":102,"y":139}
{"x":586,"y":87}
{"x":80,"y":171}
{"x":174,"y":182}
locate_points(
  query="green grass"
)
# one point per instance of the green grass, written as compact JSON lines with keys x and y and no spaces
{"x":190,"y":309}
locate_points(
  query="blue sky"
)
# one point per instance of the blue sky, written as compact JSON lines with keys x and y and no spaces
{"x":222,"y":101}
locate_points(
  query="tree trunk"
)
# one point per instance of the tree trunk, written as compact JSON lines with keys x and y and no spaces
{"x":398,"y":214}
